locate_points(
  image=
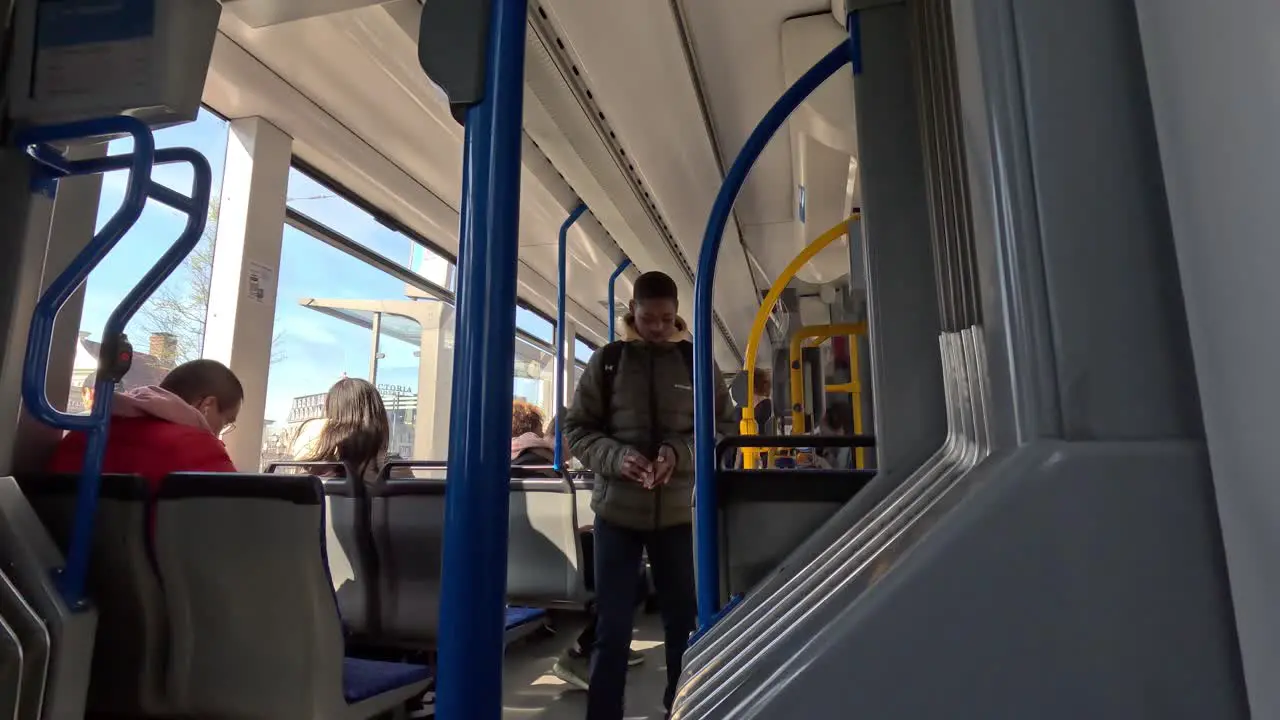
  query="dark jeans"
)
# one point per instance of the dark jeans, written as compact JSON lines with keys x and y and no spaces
{"x":618,"y":552}
{"x":587,"y":639}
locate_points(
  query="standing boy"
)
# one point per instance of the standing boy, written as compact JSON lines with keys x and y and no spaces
{"x":632,"y":423}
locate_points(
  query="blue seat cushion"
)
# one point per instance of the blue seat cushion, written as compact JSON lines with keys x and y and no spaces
{"x":517,"y":616}
{"x":363,"y":679}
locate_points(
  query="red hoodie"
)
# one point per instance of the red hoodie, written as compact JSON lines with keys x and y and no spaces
{"x":153,"y":433}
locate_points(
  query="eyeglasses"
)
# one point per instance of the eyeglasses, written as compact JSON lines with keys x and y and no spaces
{"x":226,"y":429}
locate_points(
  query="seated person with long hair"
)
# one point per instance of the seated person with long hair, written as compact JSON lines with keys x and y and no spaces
{"x":354,"y":430}
{"x":531,"y":446}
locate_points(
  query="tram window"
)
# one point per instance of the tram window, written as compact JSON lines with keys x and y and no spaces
{"x":331,"y":209}
{"x":327,"y":307}
{"x":582,"y":351}
{"x":169,"y":329}
{"x":536,"y":325}
{"x":535,"y":373}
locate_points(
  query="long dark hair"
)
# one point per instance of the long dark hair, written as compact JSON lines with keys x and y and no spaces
{"x":356,"y":432}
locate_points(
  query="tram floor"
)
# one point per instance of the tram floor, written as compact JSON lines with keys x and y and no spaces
{"x":531,"y":692}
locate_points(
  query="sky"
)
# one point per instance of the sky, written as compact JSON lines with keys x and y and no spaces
{"x":312,"y":350}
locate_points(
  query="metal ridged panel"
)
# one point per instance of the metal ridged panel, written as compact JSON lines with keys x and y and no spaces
{"x":941,"y":137}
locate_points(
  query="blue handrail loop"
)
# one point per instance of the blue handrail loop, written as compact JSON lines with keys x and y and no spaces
{"x":562,"y":259}
{"x":613,"y":302}
{"x":473,"y":598}
{"x":704,"y":379}
{"x":116,"y":355}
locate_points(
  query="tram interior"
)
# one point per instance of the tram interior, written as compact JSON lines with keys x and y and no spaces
{"x":1029,"y":525}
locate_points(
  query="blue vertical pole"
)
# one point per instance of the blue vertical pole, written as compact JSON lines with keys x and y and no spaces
{"x":704,"y":375}
{"x":473,"y":602}
{"x":613,"y":303}
{"x":562,"y":260}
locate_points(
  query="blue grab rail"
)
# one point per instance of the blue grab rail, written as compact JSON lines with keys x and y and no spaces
{"x":473,"y":597}
{"x":563,"y":280}
{"x":50,"y":166}
{"x":704,"y":379}
{"x":613,"y":302}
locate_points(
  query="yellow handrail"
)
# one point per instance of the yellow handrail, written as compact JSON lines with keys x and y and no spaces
{"x":819,"y":334}
{"x":748,"y":425}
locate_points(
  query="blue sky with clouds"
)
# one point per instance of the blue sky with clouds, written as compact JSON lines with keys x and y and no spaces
{"x":314,"y":350}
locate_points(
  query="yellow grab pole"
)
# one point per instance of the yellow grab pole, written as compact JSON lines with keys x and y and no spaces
{"x":820,"y":333}
{"x":748,"y":425}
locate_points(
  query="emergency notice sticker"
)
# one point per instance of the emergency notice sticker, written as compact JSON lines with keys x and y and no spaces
{"x":259,"y":283}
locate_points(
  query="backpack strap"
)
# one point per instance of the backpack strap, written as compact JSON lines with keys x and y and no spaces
{"x":611,"y":355}
{"x":686,"y":352}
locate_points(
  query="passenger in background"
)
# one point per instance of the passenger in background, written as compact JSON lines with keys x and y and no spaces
{"x":632,"y":423}
{"x":837,"y":420}
{"x":529,"y":444}
{"x":763,"y":390}
{"x":354,"y":430}
{"x":172,"y":427}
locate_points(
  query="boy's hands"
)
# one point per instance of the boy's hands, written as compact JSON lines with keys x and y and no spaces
{"x":637,"y":468}
{"x":666,"y":466}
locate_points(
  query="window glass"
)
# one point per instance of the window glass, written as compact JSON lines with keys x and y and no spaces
{"x":582,"y":352}
{"x":334,"y":211}
{"x":169,"y":328}
{"x":536,"y":325}
{"x":327,"y":308}
{"x":535,"y":373}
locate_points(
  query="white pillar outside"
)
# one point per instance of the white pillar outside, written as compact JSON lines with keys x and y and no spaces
{"x":435,"y":383}
{"x":568,"y":337}
{"x":246,"y":258}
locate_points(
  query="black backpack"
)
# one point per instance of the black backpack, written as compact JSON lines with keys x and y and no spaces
{"x":612,"y":355}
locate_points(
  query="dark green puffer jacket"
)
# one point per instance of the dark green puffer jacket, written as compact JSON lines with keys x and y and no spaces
{"x":652,"y":405}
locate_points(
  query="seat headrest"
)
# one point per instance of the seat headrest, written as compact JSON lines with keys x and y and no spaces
{"x":113,"y":487}
{"x":296,"y":489}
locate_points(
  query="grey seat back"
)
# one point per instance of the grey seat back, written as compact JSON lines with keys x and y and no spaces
{"x":544,"y":557}
{"x":255,"y":627}
{"x":408,"y":534}
{"x":29,"y":631}
{"x":31,"y":559}
{"x":765,"y":514}
{"x":352,"y":557}
{"x":132,"y":643}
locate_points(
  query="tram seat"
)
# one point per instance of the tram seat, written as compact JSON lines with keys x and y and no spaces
{"x":544,"y":560}
{"x":353,"y":564}
{"x":133,"y":635}
{"x":408,"y":535}
{"x":583,"y":484}
{"x":256,"y":632}
{"x":765,"y":514}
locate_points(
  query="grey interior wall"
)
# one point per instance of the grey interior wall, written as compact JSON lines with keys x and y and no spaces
{"x":902,"y":310}
{"x":1078,"y":571}
{"x":1215,"y":86}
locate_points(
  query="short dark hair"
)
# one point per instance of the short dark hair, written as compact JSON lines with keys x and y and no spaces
{"x":655,"y":285}
{"x":199,"y":379}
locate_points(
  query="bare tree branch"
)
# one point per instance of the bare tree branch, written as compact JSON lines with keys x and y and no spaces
{"x":180,"y":306}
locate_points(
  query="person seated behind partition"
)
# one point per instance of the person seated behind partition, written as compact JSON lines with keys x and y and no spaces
{"x":162,"y":429}
{"x":354,"y":431}
{"x":837,"y":420}
{"x":532,"y":446}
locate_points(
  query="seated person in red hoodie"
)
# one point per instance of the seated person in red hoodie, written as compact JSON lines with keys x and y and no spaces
{"x":173,"y":427}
